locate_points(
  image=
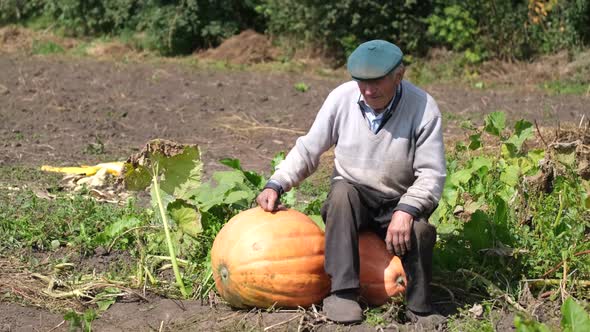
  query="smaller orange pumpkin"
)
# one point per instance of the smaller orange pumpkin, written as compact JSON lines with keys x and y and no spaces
{"x":382,"y":275}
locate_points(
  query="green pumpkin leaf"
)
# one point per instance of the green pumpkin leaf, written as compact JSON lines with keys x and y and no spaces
{"x":277,"y":160}
{"x":137,"y":178}
{"x":178,"y":165}
{"x":450,"y":195}
{"x":118,"y":227}
{"x":257,"y":180}
{"x":254,"y":178}
{"x":510,"y":175}
{"x":240,"y":197}
{"x":536,"y":155}
{"x":460,"y":177}
{"x":481,"y":162}
{"x":228,"y":177}
{"x":181,"y":172}
{"x":232,"y":163}
{"x":523,"y":129}
{"x":475,"y":142}
{"x":318,"y":220}
{"x":460,"y":147}
{"x":495,"y":123}
{"x":574,"y":317}
{"x":478,"y":231}
{"x":290,"y":198}
{"x":528,"y":325}
{"x":104,"y":304}
{"x":166,"y":198}
{"x":566,"y":156}
{"x":187,"y":217}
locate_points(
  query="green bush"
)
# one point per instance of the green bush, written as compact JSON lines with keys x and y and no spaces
{"x":170,"y":27}
{"x":337,"y":27}
{"x":180,"y":27}
{"x":509,"y":29}
{"x":505,"y":29}
{"x":454,"y":27}
{"x":12,"y":11}
{"x":46,"y":47}
{"x":82,"y":18}
{"x":559,"y":25}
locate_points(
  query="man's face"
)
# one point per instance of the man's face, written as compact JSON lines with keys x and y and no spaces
{"x":378,"y":93}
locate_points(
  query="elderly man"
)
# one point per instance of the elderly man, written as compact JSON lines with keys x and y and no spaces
{"x":389,"y":173}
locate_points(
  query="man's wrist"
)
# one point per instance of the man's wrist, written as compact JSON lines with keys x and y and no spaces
{"x":276,"y":186}
{"x":411,"y":210}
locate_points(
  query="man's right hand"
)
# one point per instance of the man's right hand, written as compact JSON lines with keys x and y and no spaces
{"x":268,"y":200}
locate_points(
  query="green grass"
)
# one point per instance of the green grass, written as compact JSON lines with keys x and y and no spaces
{"x":18,"y":175}
{"x":301,"y":87}
{"x":73,"y":221}
{"x":468,"y":323}
{"x":383,"y":315}
{"x":453,"y":117}
{"x":567,"y":88}
{"x":68,"y":220}
{"x":422,"y":72}
{"x":46,"y":48}
{"x":80,"y":50}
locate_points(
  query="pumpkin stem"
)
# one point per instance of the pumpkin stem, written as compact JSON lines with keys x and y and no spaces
{"x":400,"y":281}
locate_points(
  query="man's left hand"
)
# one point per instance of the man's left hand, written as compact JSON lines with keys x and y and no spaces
{"x":398,"y":240}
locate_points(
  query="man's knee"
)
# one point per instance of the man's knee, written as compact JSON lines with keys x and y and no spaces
{"x":343,"y":197}
{"x":341,"y":191}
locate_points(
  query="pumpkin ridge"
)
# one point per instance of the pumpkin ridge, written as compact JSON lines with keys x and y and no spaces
{"x":303,"y":273}
{"x":312,"y":232}
{"x":275,"y":291}
{"x":276,"y":259}
{"x":287,"y":300}
{"x":287,"y":283}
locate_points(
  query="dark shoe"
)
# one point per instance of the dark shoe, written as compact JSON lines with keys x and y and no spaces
{"x":425,"y":321}
{"x":343,"y":307}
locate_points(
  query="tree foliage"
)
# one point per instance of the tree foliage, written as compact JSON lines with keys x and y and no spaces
{"x":507,"y":29}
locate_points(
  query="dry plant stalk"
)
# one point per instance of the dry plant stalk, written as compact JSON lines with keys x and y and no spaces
{"x":250,"y":123}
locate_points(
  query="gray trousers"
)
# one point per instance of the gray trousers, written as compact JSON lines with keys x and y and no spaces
{"x":351,"y":208}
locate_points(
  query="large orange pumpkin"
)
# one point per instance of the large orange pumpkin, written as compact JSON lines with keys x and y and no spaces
{"x":261,"y":259}
{"x":382,"y":274}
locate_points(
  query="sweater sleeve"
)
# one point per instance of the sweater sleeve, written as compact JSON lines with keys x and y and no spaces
{"x":421,"y":198}
{"x":303,"y":159}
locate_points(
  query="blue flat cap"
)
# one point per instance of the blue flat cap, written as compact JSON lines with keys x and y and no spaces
{"x":374,"y":59}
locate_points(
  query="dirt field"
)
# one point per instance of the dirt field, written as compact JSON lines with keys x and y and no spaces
{"x":67,"y":111}
{"x":54,"y":110}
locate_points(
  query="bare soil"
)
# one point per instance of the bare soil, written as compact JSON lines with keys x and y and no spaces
{"x":54,"y":110}
{"x":60,"y":110}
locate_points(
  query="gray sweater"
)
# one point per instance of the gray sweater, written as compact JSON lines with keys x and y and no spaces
{"x":404,"y":160}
